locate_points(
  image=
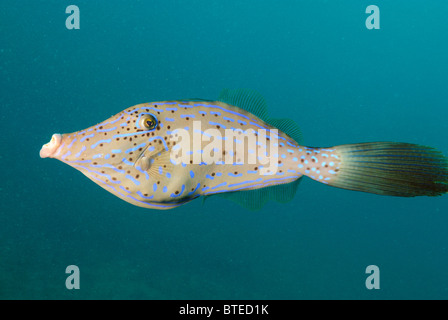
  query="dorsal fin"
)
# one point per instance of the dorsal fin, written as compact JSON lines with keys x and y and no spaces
{"x":196,"y":99}
{"x":256,"y":199}
{"x":287,"y":126}
{"x":246,"y":99}
{"x":254,"y":103}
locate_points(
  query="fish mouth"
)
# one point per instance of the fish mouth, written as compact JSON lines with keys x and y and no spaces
{"x":50,"y":148}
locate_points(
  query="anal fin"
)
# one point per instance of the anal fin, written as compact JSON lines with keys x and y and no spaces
{"x":256,"y":199}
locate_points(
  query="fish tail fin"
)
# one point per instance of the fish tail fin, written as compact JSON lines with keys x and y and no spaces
{"x":385,"y":168}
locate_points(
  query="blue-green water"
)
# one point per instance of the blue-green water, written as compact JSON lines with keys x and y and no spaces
{"x":314,"y":61}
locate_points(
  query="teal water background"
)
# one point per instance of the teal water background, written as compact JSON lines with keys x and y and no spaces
{"x":314,"y":61}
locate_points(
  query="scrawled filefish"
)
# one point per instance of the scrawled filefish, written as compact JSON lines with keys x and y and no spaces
{"x":161,"y":155}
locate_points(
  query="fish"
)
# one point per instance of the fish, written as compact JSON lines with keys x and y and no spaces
{"x":164,"y":154}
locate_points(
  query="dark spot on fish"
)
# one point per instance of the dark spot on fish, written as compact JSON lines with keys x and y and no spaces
{"x":219,"y":127}
{"x":160,"y":141}
{"x":118,"y":139}
{"x":136,"y":177}
{"x":101,"y":144}
{"x":158,"y":182}
{"x":187,"y":117}
{"x":95,"y":163}
{"x":213,"y":174}
{"x":140,"y":149}
{"x":87,"y":139}
{"x":168,"y":127}
{"x":236,"y":172}
{"x":177,"y":192}
{"x":172,"y":111}
{"x":302,"y":160}
{"x":130,"y":138}
{"x":100,"y":127}
{"x":191,"y":161}
{"x":158,"y":127}
{"x":279,"y":161}
{"x":113,"y":156}
{"x":256,"y":168}
{"x":120,"y":167}
{"x":326,"y":166}
{"x":125,"y":138}
{"x":145,"y":194}
{"x":113,"y":178}
{"x":128,"y":172}
{"x":203,"y":114}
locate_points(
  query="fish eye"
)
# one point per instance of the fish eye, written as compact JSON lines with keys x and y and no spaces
{"x":149,"y":122}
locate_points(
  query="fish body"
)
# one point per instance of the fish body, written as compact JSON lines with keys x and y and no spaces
{"x":163,"y":154}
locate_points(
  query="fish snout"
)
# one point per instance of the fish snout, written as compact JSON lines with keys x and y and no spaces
{"x":50,"y":148}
